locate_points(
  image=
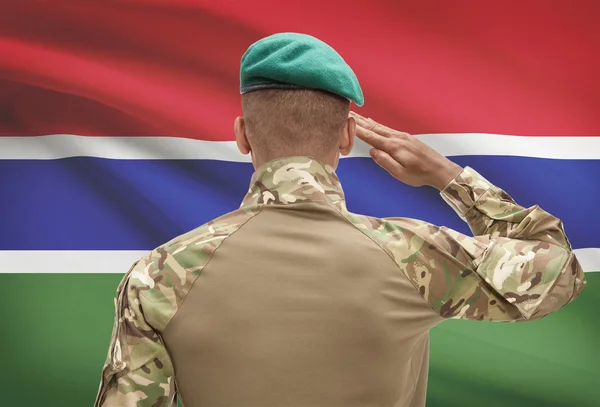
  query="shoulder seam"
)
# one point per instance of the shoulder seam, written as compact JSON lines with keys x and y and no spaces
{"x":391,"y":258}
{"x":370,"y":238}
{"x":260,"y":208}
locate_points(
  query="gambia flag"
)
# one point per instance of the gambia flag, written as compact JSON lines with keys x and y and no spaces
{"x":116,"y":135}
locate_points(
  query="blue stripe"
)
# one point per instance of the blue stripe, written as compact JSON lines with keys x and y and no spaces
{"x":99,"y":204}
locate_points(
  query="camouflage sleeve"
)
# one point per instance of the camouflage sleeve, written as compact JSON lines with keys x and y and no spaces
{"x":488,"y":210}
{"x":138,"y":370}
{"x":519,"y":266}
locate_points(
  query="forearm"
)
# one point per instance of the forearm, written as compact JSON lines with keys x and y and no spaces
{"x":490,"y":211}
{"x":529,"y":260}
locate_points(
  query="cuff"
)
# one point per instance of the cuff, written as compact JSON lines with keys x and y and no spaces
{"x":463,"y":192}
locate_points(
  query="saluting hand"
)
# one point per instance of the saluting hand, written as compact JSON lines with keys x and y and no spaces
{"x":405,"y":157}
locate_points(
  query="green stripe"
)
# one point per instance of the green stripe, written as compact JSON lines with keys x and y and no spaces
{"x":56,"y":328}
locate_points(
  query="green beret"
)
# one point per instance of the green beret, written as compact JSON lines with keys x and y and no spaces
{"x":297,"y":61}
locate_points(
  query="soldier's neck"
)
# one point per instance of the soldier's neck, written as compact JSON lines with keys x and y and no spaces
{"x":331,"y":159}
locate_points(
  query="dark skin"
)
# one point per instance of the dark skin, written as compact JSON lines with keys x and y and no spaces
{"x":405,"y":157}
{"x":344,"y":147}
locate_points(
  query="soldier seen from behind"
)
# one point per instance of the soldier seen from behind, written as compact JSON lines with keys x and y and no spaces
{"x":292,"y":300}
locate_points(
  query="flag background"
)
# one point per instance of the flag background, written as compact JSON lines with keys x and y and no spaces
{"x":128,"y":70}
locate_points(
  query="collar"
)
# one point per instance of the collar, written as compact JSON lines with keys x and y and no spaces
{"x":294,"y":179}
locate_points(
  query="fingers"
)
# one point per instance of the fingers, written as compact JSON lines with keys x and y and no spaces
{"x":363,"y":121}
{"x":385,"y":161}
{"x":371,"y":125}
{"x":378,"y":128}
{"x":376,"y":140}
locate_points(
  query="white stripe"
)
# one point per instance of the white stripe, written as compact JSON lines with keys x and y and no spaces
{"x":589,"y":259}
{"x":137,"y":148}
{"x":119,"y":261}
{"x":69,"y":261}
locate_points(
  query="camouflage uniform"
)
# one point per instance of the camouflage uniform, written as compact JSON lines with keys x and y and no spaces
{"x":398,"y":278}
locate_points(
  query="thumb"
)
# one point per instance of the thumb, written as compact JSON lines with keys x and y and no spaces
{"x":385,"y":161}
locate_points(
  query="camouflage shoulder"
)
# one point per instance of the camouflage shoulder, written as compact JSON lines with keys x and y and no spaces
{"x":417,"y":248}
{"x":166,"y":274}
{"x":399,"y":236}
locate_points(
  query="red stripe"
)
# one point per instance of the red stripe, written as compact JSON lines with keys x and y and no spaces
{"x":170,"y":67}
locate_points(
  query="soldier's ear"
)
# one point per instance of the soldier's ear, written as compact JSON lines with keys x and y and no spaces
{"x":347,"y":139}
{"x":241,"y":139}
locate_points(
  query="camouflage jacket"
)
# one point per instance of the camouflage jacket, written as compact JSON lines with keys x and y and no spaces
{"x":519,"y":266}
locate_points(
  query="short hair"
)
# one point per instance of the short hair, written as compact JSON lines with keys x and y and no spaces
{"x":288,"y":122}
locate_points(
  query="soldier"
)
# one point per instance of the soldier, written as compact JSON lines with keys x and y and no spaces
{"x":294,"y":300}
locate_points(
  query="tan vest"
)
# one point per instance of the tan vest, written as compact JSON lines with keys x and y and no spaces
{"x":300,"y":308}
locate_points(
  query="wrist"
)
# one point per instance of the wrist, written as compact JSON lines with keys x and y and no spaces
{"x":445,"y":175}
